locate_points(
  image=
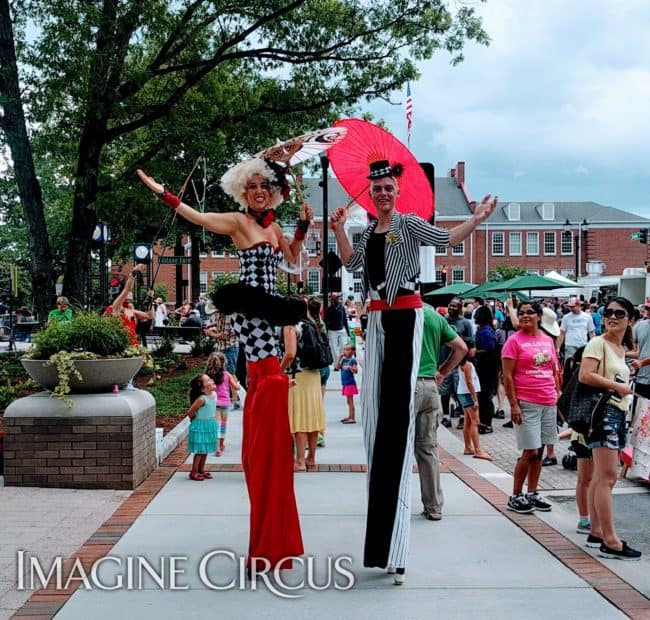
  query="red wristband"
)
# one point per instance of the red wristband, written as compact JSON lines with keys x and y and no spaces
{"x":298,"y":235}
{"x":170,"y":200}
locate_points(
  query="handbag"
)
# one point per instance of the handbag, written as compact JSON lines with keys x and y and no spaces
{"x":582,"y":403}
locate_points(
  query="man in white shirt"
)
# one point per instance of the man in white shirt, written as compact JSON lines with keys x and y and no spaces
{"x":576,"y":329}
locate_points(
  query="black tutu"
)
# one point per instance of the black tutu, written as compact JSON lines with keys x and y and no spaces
{"x":253,"y":301}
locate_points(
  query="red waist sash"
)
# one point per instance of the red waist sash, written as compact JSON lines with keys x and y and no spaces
{"x":403,"y":302}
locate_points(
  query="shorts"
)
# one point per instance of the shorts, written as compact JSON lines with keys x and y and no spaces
{"x":450,"y":384}
{"x":609,"y":430}
{"x":324,"y":375}
{"x":538,"y":426}
{"x":466,"y":400}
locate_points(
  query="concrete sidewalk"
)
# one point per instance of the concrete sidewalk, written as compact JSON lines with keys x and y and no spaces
{"x":480,"y":559}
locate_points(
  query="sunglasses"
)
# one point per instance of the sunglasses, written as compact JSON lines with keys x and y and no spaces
{"x":527,"y":313}
{"x":619,"y":314}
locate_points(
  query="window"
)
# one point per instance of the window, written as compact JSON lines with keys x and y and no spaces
{"x":458,"y":250}
{"x":217,"y":274}
{"x":357,"y":282}
{"x":441,"y":251}
{"x":513,"y":211}
{"x":331,"y":243}
{"x":356,"y":237}
{"x":532,"y":272}
{"x":547,"y":271}
{"x":203,"y":282}
{"x":217,"y":253}
{"x":567,"y":273}
{"x":567,"y":243}
{"x":313,"y":280}
{"x":515,"y":244}
{"x":532,"y":243}
{"x":439,"y":274}
{"x":458,"y":274}
{"x":549,"y":243}
{"x":498,"y":244}
{"x":312,"y":243}
{"x":548,"y":211}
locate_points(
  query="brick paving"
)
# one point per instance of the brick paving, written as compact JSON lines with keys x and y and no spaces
{"x":501,"y":446}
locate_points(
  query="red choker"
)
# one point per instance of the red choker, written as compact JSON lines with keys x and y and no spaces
{"x":265,"y":218}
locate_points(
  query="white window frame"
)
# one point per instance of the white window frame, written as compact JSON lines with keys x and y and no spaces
{"x":217,"y":254}
{"x":458,"y":249}
{"x":439,"y":274}
{"x":203,"y":282}
{"x":549,"y":233}
{"x":455,"y":271}
{"x":567,"y":273}
{"x":511,"y":237}
{"x":569,"y":238}
{"x":530,"y":237}
{"x":314,"y":276}
{"x":547,"y":271}
{"x":532,"y":272}
{"x":441,"y":250}
{"x":495,"y":236}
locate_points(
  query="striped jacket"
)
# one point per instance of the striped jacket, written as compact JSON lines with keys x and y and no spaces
{"x":402,"y":254}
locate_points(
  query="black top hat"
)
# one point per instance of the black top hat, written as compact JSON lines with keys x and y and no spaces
{"x":382,"y":168}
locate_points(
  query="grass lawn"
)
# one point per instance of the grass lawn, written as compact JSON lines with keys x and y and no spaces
{"x":171,"y":393}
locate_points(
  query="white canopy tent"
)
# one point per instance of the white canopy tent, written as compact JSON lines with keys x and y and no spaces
{"x":558,"y":292}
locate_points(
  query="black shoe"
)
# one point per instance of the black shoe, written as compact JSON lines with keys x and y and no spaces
{"x":538,"y":502}
{"x":484,"y":429}
{"x":519,"y":503}
{"x":500,"y":414}
{"x":508,"y":424}
{"x":446,"y":422}
{"x":626,"y":553}
{"x":549,"y":461}
{"x":461,"y":424}
{"x":593,"y":541}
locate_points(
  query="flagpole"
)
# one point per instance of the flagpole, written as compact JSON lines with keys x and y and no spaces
{"x":409,"y":114}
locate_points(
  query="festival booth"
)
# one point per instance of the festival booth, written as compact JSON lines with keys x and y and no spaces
{"x":636,"y":458}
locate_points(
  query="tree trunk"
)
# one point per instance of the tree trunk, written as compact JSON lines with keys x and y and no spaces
{"x":195,"y":284}
{"x":13,"y":125}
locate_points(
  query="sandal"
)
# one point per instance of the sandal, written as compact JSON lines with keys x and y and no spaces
{"x":297,"y":469}
{"x":469,"y":452}
{"x":206,"y":474}
{"x":348,"y":421}
{"x":197,"y":477}
{"x":484,"y":456}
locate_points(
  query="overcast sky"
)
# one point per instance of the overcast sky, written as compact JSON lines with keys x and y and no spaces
{"x":556,"y":108}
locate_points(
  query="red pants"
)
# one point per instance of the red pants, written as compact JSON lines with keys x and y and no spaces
{"x":267,"y":460}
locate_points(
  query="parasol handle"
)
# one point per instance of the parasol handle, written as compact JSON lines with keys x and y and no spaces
{"x":354,"y":199}
{"x":296,"y":185}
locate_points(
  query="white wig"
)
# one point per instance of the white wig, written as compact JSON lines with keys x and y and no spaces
{"x":235,"y":180}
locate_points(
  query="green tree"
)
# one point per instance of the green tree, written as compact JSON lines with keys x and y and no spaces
{"x":504,"y":271}
{"x":113,"y":85}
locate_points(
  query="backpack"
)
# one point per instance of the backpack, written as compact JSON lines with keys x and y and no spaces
{"x":314,"y":350}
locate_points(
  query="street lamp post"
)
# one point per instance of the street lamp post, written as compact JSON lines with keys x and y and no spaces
{"x":581,"y":232}
{"x":324,"y":162}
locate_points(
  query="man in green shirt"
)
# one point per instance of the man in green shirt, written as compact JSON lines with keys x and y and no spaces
{"x":436,"y":332}
{"x":62,"y":312}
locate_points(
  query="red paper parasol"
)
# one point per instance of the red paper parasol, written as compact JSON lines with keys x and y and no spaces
{"x":366,"y":143}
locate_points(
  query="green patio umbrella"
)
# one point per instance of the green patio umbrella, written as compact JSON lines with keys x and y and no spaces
{"x":528,"y":282}
{"x":457,"y":288}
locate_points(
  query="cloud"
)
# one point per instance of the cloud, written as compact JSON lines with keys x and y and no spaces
{"x":558,"y":99}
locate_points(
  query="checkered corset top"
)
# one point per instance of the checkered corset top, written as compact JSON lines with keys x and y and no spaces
{"x":258,"y":267}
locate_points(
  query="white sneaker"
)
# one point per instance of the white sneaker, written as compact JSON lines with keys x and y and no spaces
{"x":399,"y":577}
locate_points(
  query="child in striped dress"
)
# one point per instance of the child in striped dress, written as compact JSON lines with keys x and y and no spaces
{"x":223,"y":383}
{"x":202,"y":436}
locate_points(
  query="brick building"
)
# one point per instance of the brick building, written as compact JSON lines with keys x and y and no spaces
{"x":538,"y":236}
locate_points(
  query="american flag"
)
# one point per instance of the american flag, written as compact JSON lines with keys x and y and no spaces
{"x":409,"y":113}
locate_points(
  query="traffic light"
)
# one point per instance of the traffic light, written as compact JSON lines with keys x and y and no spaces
{"x":643,"y":235}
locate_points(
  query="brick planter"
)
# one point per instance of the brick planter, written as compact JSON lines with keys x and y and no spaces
{"x":104,"y":441}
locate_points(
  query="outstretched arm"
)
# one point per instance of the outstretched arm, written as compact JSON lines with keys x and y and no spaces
{"x":118,"y":303}
{"x":221,"y":223}
{"x":483,"y":210}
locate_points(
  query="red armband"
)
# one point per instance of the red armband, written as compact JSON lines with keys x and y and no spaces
{"x":170,"y":200}
{"x":298,"y":235}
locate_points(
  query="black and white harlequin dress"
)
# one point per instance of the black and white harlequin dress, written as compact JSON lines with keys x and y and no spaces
{"x":258,"y":268}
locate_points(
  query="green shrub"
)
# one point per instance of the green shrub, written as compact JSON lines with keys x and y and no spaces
{"x":165,"y":348}
{"x":87,"y":331}
{"x":201,"y":345}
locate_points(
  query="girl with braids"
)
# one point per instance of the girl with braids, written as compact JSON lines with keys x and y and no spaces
{"x":603,"y":366}
{"x":259,"y":186}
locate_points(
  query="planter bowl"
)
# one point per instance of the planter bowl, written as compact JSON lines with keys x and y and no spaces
{"x":98,"y":375}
